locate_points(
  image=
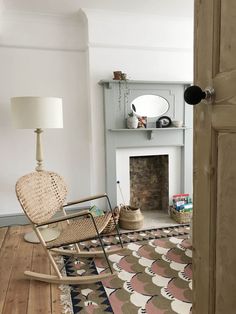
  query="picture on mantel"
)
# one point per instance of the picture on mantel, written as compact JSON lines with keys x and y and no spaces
{"x":142,"y":122}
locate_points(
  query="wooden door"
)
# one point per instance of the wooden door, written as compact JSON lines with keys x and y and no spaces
{"x":214,"y":221}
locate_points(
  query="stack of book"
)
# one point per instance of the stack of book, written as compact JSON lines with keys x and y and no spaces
{"x":182,"y":202}
{"x":181,"y":210}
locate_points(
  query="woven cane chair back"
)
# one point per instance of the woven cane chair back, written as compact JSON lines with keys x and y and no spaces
{"x":41,"y":194}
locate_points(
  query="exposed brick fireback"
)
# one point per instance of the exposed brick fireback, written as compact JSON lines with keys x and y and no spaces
{"x":149,"y":182}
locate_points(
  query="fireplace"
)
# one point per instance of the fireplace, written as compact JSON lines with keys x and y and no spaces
{"x":122,"y":144}
{"x":149,"y":182}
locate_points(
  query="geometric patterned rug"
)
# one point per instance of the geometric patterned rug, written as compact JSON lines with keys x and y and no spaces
{"x":154,"y":275}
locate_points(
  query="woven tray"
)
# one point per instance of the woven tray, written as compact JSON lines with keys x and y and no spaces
{"x":180,"y":217}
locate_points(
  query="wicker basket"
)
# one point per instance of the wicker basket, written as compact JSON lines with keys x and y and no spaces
{"x":180,"y":217}
{"x":112,"y":222}
{"x":131,"y":218}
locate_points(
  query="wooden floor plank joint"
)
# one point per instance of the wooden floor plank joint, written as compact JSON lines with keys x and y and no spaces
{"x":18,"y":294}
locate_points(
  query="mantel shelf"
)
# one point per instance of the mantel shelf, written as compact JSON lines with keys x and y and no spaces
{"x":149,"y":130}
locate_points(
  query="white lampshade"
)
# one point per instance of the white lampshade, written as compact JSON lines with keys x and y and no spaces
{"x":37,"y":112}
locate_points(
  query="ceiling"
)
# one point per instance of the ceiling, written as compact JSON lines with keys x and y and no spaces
{"x":178,"y":8}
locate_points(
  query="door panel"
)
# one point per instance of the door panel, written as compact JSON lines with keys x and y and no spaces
{"x":227,"y":41}
{"x":222,"y":82}
{"x":214,"y":216}
{"x":226,"y":222}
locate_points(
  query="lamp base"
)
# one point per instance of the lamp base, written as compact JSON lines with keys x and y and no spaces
{"x":48,"y":235}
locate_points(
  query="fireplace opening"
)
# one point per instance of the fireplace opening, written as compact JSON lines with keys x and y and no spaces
{"x":149,"y":182}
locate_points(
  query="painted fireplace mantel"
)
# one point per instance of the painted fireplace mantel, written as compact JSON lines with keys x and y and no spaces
{"x":118,"y":96}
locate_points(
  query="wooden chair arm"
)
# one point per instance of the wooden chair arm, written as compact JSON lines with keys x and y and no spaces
{"x":67,"y":217}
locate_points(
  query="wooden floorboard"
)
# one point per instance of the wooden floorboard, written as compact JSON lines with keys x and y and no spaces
{"x":7,"y":255}
{"x":17,"y":294}
{"x":3,"y":232}
{"x":39,"y":290}
{"x":55,"y":296}
{"x":16,"y":300}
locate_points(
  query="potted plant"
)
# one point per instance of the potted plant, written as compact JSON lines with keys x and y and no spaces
{"x":132,"y":121}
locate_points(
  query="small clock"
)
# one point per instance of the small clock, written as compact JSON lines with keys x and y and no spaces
{"x":163,"y":122}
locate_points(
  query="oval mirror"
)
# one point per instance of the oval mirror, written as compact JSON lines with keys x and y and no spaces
{"x":149,"y":106}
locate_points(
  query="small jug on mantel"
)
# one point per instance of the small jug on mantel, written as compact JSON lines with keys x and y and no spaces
{"x":132,"y":121}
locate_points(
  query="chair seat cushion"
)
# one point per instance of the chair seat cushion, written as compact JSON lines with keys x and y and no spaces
{"x":80,"y":229}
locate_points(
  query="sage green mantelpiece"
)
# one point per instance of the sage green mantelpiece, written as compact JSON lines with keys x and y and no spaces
{"x":118,"y":96}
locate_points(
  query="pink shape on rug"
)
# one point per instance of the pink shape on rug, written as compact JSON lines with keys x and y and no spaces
{"x":186,"y":244}
{"x":144,"y":252}
{"x":116,"y":303}
{"x":159,"y":269}
{"x":188,"y":271}
{"x":126,"y":265}
{"x":177,"y":292}
{"x":151,"y":308}
{"x":162,"y":243}
{"x":175,"y":256}
{"x":138,"y":285}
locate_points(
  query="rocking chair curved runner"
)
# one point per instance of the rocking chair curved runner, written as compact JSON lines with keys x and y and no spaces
{"x":41,"y":195}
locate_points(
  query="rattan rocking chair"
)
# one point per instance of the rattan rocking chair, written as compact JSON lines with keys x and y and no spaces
{"x":41,"y":195}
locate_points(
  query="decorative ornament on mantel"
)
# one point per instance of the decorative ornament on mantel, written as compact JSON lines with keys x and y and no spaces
{"x":132,"y":121}
{"x":119,"y":76}
{"x":123,"y":87}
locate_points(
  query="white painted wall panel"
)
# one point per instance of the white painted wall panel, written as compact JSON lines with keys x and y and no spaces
{"x":44,"y":73}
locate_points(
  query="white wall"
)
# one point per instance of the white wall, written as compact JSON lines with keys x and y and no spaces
{"x":34,"y":63}
{"x":54,"y":55}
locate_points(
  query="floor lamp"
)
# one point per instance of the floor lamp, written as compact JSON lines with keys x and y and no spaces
{"x":38,"y":113}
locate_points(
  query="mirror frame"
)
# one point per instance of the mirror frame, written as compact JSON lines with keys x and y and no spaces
{"x":154,"y":102}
